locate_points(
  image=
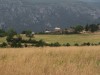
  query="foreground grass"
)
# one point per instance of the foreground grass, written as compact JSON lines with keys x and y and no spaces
{"x":50,"y":61}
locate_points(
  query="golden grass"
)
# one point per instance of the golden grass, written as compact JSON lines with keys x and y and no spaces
{"x":50,"y":61}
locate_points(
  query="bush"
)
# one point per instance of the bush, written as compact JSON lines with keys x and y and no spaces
{"x":40,"y":43}
{"x":9,"y":39}
{"x":3,"y":45}
{"x":25,"y":45}
{"x":86,"y":44}
{"x":19,"y":44}
{"x":29,"y":41}
{"x":67,"y":44}
{"x":56,"y":44}
{"x":92,"y":44}
{"x":2,"y":33}
{"x":99,"y":43}
{"x":16,"y":44}
{"x":76,"y":44}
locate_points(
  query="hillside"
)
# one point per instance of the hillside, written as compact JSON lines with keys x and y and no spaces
{"x":41,"y":14}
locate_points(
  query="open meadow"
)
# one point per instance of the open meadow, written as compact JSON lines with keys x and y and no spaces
{"x":63,"y":39}
{"x":50,"y":61}
{"x":72,"y":39}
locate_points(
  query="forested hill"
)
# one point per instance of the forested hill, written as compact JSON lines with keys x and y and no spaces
{"x":38,"y":15}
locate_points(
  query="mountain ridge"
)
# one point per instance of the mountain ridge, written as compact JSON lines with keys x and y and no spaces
{"x":38,"y":16}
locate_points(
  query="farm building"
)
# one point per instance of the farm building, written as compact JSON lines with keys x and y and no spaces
{"x":47,"y":31}
{"x":57,"y":30}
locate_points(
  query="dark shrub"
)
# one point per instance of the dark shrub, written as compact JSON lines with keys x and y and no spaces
{"x":24,"y":41}
{"x":2,"y":33}
{"x":86,"y":44}
{"x":13,"y":44}
{"x":92,"y":44}
{"x":99,"y":43}
{"x":19,"y":44}
{"x":52,"y":44}
{"x":9,"y":39}
{"x":16,"y":44}
{"x":3,"y":45}
{"x":67,"y":44}
{"x":56,"y":44}
{"x":76,"y":44}
{"x":25,"y":45}
{"x":11,"y":33}
{"x":29,"y":41}
{"x":40,"y":43}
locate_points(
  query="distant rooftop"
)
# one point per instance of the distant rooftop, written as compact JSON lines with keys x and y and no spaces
{"x":57,"y":28}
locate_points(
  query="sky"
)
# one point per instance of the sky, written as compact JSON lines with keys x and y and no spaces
{"x":90,"y":0}
{"x":68,"y":0}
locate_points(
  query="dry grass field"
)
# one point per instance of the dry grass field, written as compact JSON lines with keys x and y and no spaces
{"x":50,"y":61}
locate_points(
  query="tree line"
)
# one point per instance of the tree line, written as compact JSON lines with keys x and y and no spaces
{"x":88,"y":28}
{"x":77,"y":29}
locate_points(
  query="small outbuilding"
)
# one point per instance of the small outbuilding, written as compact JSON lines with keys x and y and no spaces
{"x":32,"y":34}
{"x":47,"y":32}
{"x":57,"y":30}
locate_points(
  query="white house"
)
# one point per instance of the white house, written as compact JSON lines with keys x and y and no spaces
{"x":57,"y":30}
{"x":32,"y":34}
{"x":47,"y":32}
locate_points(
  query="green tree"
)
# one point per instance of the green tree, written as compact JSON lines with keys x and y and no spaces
{"x":93,"y":27}
{"x":10,"y":35}
{"x":87,"y":27}
{"x":3,"y":45}
{"x":23,"y":32}
{"x":40,"y":43}
{"x":79,"y":28}
{"x":29,"y":34}
{"x":2,"y":33}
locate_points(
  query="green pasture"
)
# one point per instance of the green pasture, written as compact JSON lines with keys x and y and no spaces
{"x":63,"y":39}
{"x":72,"y":39}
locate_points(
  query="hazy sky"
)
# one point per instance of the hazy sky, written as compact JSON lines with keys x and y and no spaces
{"x":69,"y":0}
{"x":91,"y":0}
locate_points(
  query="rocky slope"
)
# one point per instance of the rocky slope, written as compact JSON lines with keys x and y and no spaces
{"x":39,"y":15}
